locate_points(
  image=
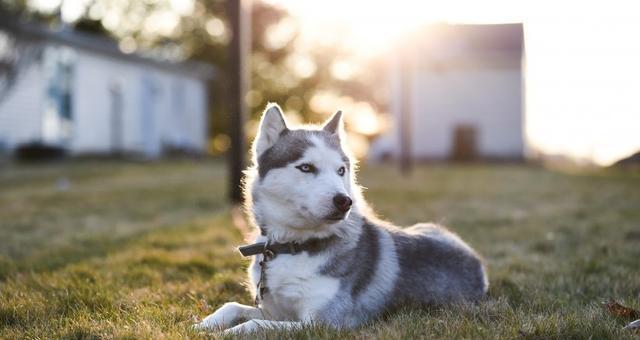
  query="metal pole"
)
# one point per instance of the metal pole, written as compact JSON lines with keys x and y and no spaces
{"x":239,"y":12}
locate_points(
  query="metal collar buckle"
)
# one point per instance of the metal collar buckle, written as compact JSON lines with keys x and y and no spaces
{"x":267,"y":253}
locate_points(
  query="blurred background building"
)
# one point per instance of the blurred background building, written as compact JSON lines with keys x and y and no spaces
{"x":80,"y":92}
{"x":457,"y":94}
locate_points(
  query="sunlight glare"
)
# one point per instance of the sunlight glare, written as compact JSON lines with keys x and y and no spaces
{"x":368,"y":27}
{"x":45,"y":6}
{"x":342,"y":69}
{"x":183,"y":7}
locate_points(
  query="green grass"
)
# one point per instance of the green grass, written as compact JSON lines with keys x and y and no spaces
{"x":143,"y":250}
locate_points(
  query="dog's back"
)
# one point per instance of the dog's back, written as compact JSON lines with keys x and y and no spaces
{"x":388,"y":267}
{"x":436,"y":267}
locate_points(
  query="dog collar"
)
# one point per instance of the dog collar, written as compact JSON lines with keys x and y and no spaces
{"x":271,"y":250}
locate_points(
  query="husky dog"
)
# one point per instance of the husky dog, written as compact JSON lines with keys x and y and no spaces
{"x":321,"y":257}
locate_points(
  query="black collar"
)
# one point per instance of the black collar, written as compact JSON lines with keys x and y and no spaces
{"x":270,"y":249}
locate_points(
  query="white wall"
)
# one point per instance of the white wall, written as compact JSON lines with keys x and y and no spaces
{"x":488,"y":98}
{"x":179,"y":111}
{"x":158,"y":107}
{"x":95,"y":75}
{"x":21,"y":108}
{"x":197,"y":122}
{"x":150,"y":117}
{"x":485,"y":94}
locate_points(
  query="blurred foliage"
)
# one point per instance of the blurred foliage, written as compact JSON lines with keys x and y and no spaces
{"x":282,"y":71}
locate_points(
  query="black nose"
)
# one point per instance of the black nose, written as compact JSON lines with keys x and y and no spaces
{"x":342,"y":202}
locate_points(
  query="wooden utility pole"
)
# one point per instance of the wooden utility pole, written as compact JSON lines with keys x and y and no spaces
{"x":406,"y":90}
{"x":239,"y":13}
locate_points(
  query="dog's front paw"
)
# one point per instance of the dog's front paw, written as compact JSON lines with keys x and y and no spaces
{"x":243,"y":328}
{"x":201,"y":326}
{"x":209,"y":324}
{"x":225,"y":317}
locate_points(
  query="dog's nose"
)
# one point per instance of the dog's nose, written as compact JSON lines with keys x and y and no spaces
{"x":342,"y":202}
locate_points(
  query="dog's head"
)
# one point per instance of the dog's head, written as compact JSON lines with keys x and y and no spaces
{"x":302,"y":178}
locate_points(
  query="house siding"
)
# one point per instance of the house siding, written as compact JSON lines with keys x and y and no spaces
{"x":458,"y":78}
{"x":21,"y":108}
{"x":150,"y":117}
{"x":94,"y":75}
{"x":489,"y":99}
{"x":157,"y":108}
{"x":84,"y":94}
{"x":196,"y":125}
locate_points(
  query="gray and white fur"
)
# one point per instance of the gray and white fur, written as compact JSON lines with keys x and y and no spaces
{"x":295,"y":191}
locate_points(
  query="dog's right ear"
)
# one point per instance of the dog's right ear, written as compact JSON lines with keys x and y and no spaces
{"x":272,"y":124}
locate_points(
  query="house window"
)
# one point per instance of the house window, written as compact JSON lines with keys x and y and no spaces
{"x":58,"y":111}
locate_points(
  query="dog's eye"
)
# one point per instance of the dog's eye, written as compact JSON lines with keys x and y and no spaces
{"x":341,"y":171}
{"x":306,"y":167}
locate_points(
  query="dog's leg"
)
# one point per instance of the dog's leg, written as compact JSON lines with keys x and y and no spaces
{"x":257,"y":324}
{"x":227,"y":315}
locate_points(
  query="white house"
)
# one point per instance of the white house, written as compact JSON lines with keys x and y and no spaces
{"x":456,"y":93}
{"x":81,"y":92}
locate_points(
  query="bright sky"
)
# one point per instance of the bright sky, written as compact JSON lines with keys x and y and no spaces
{"x":583,"y":80}
{"x":583,"y":60}
{"x":368,"y":26}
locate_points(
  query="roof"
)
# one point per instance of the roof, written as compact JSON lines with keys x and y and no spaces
{"x":101,"y":45}
{"x":463,"y":39}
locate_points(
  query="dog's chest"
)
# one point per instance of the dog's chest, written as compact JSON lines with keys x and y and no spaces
{"x":296,"y":289}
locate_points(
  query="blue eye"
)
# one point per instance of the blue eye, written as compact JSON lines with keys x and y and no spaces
{"x":341,"y":171}
{"x":306,"y":167}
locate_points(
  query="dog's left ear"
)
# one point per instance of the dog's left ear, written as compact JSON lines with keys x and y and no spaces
{"x":334,"y":125}
{"x":272,"y":125}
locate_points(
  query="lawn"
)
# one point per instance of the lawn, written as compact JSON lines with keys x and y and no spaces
{"x":141,"y":250}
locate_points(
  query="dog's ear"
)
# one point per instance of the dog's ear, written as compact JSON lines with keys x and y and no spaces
{"x":272,"y":124}
{"x":334,"y":125}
